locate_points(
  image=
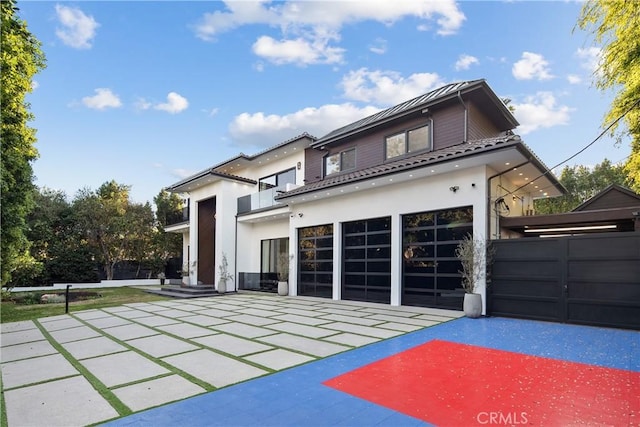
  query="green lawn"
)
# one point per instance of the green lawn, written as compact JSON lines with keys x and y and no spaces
{"x":109,"y":297}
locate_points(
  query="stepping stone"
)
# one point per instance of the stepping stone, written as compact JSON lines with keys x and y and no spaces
{"x":67,"y":402}
{"x":214,"y":368}
{"x":157,"y":392}
{"x":64,"y":323}
{"x":279,"y":359}
{"x":128,"y":332}
{"x":202,"y":320}
{"x":134,"y":314}
{"x":108,"y":322}
{"x":304,"y":330}
{"x":252,"y":320}
{"x":240,"y":329}
{"x":74,"y":334}
{"x":154,"y":320}
{"x":17,"y":326}
{"x":185,"y":330}
{"x":400,"y":327}
{"x":92,"y":347}
{"x":122,"y":368}
{"x":256,"y":312}
{"x":363,"y":330}
{"x":311,"y":321}
{"x":91,"y":314}
{"x":351,"y":339}
{"x":304,"y":345}
{"x":161,"y":345}
{"x":232,"y":345}
{"x":27,"y":350}
{"x":412,"y":321}
{"x":35,"y":370}
{"x":20,"y":337}
{"x":364,"y":321}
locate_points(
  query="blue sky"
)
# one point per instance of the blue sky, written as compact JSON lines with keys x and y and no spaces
{"x":147,"y":93}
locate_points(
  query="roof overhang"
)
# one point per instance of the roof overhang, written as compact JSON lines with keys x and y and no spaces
{"x":581,"y":222}
{"x":512,"y":160}
{"x":203,"y":178}
{"x":179,"y":228}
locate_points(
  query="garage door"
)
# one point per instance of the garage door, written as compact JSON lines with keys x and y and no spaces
{"x":592,"y":279}
{"x":315,"y":255}
{"x":367,"y":260}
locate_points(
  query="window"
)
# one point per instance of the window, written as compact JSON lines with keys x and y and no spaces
{"x":279,"y":179}
{"x":408,"y":142}
{"x":339,"y":162}
{"x":272,"y":250}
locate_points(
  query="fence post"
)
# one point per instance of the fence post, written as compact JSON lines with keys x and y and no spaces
{"x":66,"y":300}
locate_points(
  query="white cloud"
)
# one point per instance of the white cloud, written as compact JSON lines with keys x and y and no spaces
{"x":465,"y":61}
{"x":142,"y":104}
{"x":78,"y":29}
{"x":379,"y":46}
{"x":175,"y":104}
{"x":102,"y":100}
{"x":213,"y":112}
{"x":574,"y":79}
{"x":386,"y":87}
{"x":34,"y":85}
{"x":590,"y":58}
{"x":261,"y":129}
{"x":531,"y":66}
{"x":308,"y":27}
{"x":298,"y":51}
{"x":181,"y":173}
{"x":540,"y":111}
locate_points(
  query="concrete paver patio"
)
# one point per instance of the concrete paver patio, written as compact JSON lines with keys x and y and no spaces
{"x":121,"y":360}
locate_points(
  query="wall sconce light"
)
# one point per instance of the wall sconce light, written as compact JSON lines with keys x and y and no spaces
{"x":454,"y":188}
{"x":300,"y":214}
{"x":299,"y":165}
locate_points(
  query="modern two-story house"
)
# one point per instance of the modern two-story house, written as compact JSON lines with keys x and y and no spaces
{"x":374,"y":210}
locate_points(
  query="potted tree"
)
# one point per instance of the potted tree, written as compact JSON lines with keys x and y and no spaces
{"x":224,"y":275}
{"x":471,"y":252}
{"x":283,"y":274}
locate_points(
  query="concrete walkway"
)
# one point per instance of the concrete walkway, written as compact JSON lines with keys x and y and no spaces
{"x":97,"y":365}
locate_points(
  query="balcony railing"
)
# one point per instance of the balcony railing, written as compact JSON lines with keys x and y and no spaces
{"x":173,"y":218}
{"x":263,"y":199}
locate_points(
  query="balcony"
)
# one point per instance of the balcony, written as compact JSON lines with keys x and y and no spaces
{"x":263,"y":199}
{"x":174,"y":218}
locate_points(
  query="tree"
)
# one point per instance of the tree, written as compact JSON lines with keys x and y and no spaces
{"x":103,"y":222}
{"x":582,"y":183}
{"x":20,"y":59}
{"x":169,"y":210}
{"x":616,"y":23}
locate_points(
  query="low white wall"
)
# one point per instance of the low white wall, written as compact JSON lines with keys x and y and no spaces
{"x":103,"y":284}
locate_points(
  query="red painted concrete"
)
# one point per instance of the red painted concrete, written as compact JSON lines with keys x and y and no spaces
{"x":451,"y":384}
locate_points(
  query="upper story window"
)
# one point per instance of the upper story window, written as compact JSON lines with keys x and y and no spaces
{"x":339,"y":162}
{"x":408,"y":142}
{"x":278,"y":179}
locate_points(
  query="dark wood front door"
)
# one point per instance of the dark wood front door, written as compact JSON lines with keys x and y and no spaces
{"x":207,"y":241}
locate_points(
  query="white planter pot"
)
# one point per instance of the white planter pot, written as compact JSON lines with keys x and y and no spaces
{"x":186,"y":280}
{"x":222,"y":286}
{"x":283,"y":288}
{"x":472,"y":305}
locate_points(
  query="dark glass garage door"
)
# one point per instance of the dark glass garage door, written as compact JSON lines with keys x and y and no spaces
{"x":315,"y":252}
{"x":430,"y":267}
{"x":366,"y":265}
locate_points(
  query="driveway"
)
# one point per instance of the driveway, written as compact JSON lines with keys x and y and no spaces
{"x":92,"y":366}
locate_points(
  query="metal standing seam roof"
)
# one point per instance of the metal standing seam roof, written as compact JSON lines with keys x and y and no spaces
{"x":420,"y":160}
{"x":412,"y":104}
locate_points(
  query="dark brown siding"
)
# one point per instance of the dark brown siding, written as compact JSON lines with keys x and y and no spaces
{"x":611,"y":200}
{"x":313,"y":165}
{"x":479,"y":124}
{"x":206,"y":241}
{"x":448,"y":126}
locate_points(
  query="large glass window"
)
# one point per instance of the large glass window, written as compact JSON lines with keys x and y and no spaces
{"x":408,"y":142}
{"x":272,"y":251}
{"x":342,"y":161}
{"x":279,"y":179}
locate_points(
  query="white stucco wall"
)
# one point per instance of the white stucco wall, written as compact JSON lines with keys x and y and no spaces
{"x":425,"y":194}
{"x":250,"y":236}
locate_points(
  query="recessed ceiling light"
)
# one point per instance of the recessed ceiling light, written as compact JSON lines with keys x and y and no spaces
{"x":390,"y":179}
{"x":457,"y":165}
{"x":432,"y":171}
{"x":520,"y":174}
{"x":536,"y":186}
{"x":357,"y":187}
{"x":526,"y":179}
{"x":410,"y":175}
{"x":507,"y":164}
{"x":373,"y":183}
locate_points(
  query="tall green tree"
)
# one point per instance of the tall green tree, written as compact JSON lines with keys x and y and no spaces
{"x":582,"y":183}
{"x":169,"y":210}
{"x":20,"y":59}
{"x":616,"y":25}
{"x":102,"y":217}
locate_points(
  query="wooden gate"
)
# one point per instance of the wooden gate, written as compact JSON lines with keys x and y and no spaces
{"x":591,"y":279}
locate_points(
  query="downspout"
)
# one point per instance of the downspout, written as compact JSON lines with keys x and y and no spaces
{"x":466,"y":118}
{"x":235,"y":256}
{"x":489,"y":207}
